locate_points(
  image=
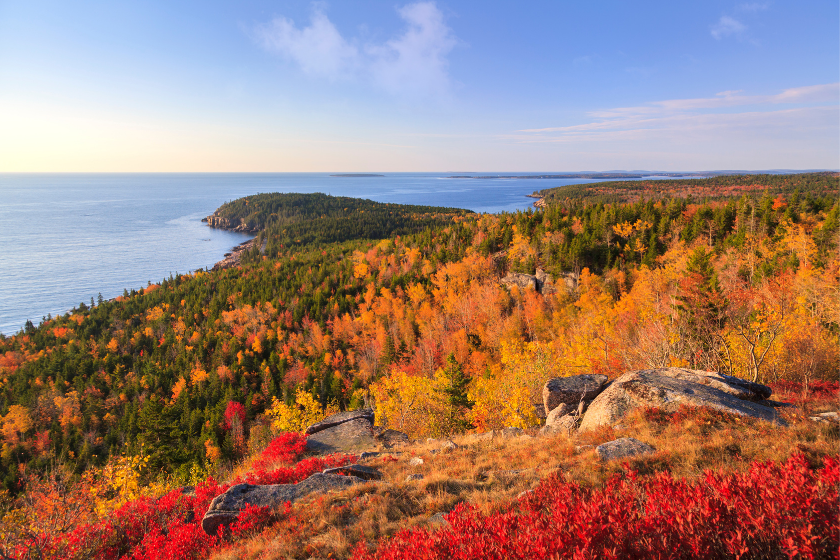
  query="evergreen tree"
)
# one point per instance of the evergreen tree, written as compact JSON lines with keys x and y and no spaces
{"x":456,"y":394}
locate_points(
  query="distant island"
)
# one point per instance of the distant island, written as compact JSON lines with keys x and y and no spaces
{"x":356,"y":175}
{"x":560,"y":176}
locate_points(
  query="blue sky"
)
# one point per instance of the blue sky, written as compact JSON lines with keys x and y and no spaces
{"x":428,"y":86}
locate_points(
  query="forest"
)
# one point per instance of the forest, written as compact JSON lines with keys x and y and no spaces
{"x":290,"y":219}
{"x":711,"y":188}
{"x":356,"y":303}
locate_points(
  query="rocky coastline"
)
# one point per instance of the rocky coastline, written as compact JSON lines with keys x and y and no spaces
{"x":540,"y":202}
{"x":234,"y":258}
{"x":220,"y":222}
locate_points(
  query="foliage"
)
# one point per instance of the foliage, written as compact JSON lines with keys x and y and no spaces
{"x":745,"y":283}
{"x":771,"y":511}
{"x":163,"y":527}
{"x":295,"y":418}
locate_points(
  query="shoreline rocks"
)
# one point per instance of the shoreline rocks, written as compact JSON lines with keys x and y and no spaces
{"x":220,"y":222}
{"x":234,"y":258}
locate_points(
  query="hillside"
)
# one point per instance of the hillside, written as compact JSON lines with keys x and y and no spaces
{"x":302,"y":219}
{"x":716,"y":187}
{"x":424,"y":314}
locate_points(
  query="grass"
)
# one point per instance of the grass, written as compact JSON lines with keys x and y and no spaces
{"x":490,"y":474}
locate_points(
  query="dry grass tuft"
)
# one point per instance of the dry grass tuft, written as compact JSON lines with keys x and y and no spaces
{"x":490,"y":474}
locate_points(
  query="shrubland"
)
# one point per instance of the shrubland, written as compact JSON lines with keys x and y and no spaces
{"x":189,"y":380}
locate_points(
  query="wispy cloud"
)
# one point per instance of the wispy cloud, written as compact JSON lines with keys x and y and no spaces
{"x":413,"y":64}
{"x":319,"y":49}
{"x":813,"y":104}
{"x":727,"y":26}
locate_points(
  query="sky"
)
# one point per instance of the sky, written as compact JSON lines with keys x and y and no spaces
{"x":445,"y":86}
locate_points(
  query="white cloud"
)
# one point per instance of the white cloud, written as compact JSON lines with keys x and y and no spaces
{"x":319,"y":49}
{"x":413,"y":64}
{"x":727,"y":26}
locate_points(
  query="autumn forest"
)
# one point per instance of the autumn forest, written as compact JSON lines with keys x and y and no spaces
{"x":346,"y":303}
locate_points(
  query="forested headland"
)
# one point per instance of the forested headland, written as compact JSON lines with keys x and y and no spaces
{"x":400,"y":308}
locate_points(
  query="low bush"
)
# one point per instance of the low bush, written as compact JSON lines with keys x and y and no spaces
{"x":774,"y":510}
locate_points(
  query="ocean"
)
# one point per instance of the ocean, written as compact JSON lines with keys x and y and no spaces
{"x":67,"y":238}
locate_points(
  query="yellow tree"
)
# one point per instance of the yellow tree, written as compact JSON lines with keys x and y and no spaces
{"x":304,"y":412}
{"x":509,"y":395}
{"x":595,"y":321}
{"x":403,"y":402}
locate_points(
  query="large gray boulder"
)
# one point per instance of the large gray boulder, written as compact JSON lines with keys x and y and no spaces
{"x":620,"y":448}
{"x":225,"y":508}
{"x":571,"y":390}
{"x":669,"y":388}
{"x":340,"y":418}
{"x":353,"y":435}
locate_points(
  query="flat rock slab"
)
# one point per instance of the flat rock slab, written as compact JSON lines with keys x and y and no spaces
{"x":353,"y":435}
{"x":225,"y":508}
{"x":624,"y":447}
{"x":390,"y":437}
{"x":668,"y":389}
{"x":740,"y":388}
{"x":830,"y":417}
{"x":359,"y":471}
{"x":571,"y":390}
{"x":340,"y":418}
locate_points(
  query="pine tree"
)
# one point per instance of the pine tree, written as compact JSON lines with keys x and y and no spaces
{"x":456,"y":394}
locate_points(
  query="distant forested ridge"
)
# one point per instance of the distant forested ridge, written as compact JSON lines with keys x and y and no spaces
{"x":724,"y":186}
{"x":301,"y":219}
{"x":354,"y":301}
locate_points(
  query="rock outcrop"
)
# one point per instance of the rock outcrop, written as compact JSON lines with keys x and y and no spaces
{"x":620,"y":448}
{"x":668,"y":388}
{"x":523,"y":281}
{"x":225,"y":508}
{"x":352,"y":435}
{"x":340,"y":418}
{"x":359,"y":471}
{"x":541,"y":281}
{"x":571,"y":390}
{"x":389,"y":437}
{"x":220,"y":222}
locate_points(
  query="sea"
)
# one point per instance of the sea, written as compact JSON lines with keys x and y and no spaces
{"x":67,"y":238}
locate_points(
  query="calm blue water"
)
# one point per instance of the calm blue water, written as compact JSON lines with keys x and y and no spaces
{"x":65,"y":238}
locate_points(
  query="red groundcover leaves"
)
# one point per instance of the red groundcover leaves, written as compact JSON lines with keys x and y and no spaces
{"x":169,"y":527}
{"x":771,"y":511}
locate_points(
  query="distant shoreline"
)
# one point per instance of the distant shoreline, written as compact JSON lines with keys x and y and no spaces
{"x":574,"y":176}
{"x":356,"y":175}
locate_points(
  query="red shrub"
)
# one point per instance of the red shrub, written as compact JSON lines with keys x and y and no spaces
{"x":285,"y":448}
{"x":169,"y":527}
{"x":234,"y":411}
{"x":791,"y":391}
{"x":771,"y":511}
